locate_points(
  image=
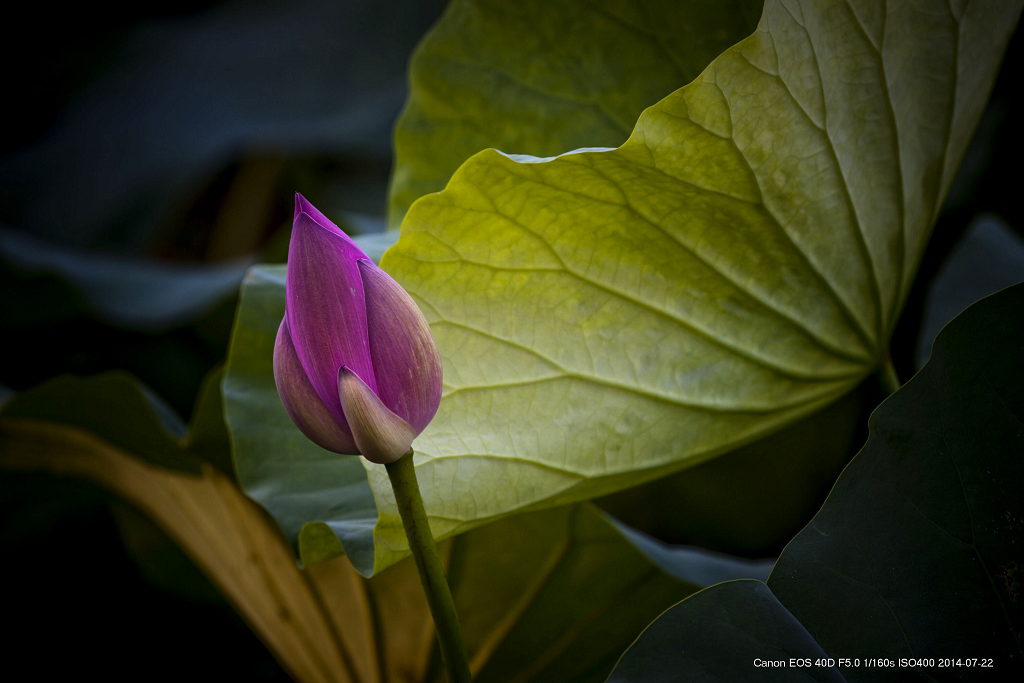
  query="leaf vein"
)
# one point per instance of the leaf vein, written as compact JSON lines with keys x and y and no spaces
{"x":858,"y":226}
{"x":844,"y":307}
{"x":818,"y":341}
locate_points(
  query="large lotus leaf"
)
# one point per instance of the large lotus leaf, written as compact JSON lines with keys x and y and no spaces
{"x":543,"y":78}
{"x":608,"y":317}
{"x":914,"y":555}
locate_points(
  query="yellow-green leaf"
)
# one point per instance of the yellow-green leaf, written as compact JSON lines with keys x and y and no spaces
{"x":608,"y":317}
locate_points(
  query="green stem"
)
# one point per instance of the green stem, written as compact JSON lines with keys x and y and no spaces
{"x":428,"y":562}
{"x":887,"y":375}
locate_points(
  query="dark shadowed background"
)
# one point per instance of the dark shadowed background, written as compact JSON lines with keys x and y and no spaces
{"x":148,"y":157}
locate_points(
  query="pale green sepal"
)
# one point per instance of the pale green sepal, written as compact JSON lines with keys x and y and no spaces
{"x":381,"y":436}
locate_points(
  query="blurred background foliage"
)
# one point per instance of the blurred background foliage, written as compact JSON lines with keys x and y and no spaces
{"x":150,"y":155}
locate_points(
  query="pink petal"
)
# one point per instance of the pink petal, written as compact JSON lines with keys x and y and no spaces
{"x":325,"y":307}
{"x":305,"y":408}
{"x":381,"y":435}
{"x":405,"y":358}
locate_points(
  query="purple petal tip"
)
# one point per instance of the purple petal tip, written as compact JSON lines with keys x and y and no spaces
{"x":303,"y":207}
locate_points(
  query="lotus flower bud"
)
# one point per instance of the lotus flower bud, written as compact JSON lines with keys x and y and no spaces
{"x":355,"y":363}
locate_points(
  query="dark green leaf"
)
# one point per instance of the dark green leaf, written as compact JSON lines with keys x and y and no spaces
{"x":743,"y":614}
{"x":694,"y":565}
{"x":115,"y":406}
{"x":920,"y":542}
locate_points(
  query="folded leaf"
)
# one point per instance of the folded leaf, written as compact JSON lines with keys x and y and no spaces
{"x":543,"y":78}
{"x":605,"y":318}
